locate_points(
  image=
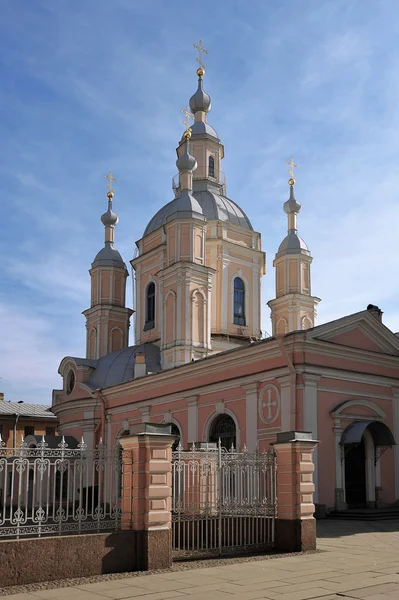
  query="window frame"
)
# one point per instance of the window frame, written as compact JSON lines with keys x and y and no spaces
{"x":150,"y":323}
{"x":211,"y":166}
{"x":239,"y":317}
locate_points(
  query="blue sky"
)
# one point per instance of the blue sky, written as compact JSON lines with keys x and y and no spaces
{"x":91,"y":86}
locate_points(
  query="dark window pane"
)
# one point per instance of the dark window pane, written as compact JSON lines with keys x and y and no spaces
{"x":150,"y":307}
{"x":29,"y":430}
{"x":224,"y":429}
{"x":211,"y":170}
{"x":50,"y":430}
{"x":239,"y":302}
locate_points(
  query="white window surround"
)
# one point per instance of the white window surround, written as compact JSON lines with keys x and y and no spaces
{"x":239,"y":274}
{"x":213,"y":415}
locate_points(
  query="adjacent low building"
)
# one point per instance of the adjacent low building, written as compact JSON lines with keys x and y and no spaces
{"x":18,"y":420}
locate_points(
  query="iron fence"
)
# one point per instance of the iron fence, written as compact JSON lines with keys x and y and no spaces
{"x":57,"y":491}
{"x":222,"y":501}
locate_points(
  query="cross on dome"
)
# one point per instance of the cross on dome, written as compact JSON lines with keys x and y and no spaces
{"x":111,"y":179}
{"x":293,"y":166}
{"x":201,"y":51}
{"x":188,"y":115}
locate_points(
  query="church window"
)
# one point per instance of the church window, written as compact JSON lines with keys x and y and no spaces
{"x":150,"y":307}
{"x":70,"y":382}
{"x":211,"y":166}
{"x":239,"y":302}
{"x":224,"y":429}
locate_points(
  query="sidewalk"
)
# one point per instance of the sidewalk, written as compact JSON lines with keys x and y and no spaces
{"x":358,"y":560}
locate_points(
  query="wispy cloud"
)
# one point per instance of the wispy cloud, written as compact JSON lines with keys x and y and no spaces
{"x":102,"y":90}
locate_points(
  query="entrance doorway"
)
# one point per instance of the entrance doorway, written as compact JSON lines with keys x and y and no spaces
{"x":355,"y":475}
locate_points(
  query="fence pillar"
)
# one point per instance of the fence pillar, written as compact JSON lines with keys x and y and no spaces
{"x":146,"y":492}
{"x":295,"y":524}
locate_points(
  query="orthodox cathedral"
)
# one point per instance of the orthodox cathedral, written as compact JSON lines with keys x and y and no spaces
{"x":199,"y":361}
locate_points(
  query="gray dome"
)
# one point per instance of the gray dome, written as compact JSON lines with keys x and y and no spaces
{"x":186,"y":162}
{"x":118,"y":366}
{"x":199,"y":129}
{"x":109,"y":218}
{"x":292,"y":243}
{"x":184,"y":207}
{"x":213,"y":206}
{"x":200,"y":100}
{"x":108,"y":257}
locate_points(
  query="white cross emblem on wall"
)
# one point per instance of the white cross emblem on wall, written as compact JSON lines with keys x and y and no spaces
{"x":269,"y":408}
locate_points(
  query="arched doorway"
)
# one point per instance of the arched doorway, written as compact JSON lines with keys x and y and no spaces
{"x":223,"y":428}
{"x":362,"y":444}
{"x":355,"y":475}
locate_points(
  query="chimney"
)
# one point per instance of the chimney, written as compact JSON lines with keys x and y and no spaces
{"x":1,"y":396}
{"x":375,"y":311}
{"x":140,"y":367}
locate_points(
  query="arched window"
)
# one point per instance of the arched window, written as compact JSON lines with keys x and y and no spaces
{"x":176,"y":432}
{"x":224,"y":429}
{"x":239,"y":302}
{"x":150,"y":307}
{"x":211,"y":167}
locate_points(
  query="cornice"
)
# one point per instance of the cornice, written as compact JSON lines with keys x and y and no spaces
{"x":200,"y":390}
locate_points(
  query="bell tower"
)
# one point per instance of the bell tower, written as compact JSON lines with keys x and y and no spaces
{"x":107,"y":319}
{"x":294,"y":307}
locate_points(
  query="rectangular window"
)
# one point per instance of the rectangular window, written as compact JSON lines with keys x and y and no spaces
{"x":29,"y":430}
{"x":50,"y":430}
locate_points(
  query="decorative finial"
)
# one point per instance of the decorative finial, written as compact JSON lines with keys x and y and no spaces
{"x":293,"y":166}
{"x":111,"y":179}
{"x":188,"y":115}
{"x":201,"y":51}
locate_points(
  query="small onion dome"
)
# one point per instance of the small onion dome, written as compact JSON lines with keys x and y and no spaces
{"x":109,"y":217}
{"x":292,"y":206}
{"x":200,"y":100}
{"x":186,"y":162}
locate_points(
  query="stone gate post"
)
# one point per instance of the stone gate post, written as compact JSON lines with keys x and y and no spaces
{"x":147,"y":492}
{"x":295,"y":523}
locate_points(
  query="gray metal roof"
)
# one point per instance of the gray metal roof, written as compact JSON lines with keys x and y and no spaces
{"x":118,"y":367}
{"x":108,"y":257}
{"x":292,"y":243}
{"x":40,"y":411}
{"x":214,"y":207}
{"x":200,"y":129}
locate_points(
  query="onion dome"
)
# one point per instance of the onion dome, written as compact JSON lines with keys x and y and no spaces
{"x":292,"y":206}
{"x":200,"y":100}
{"x":109,"y":218}
{"x":186,"y":162}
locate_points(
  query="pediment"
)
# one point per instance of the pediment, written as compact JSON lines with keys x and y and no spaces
{"x":360,"y":330}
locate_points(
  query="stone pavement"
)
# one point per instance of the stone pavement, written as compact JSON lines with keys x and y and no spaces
{"x":359,"y":560}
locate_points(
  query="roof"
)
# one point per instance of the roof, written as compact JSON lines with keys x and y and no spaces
{"x":215,"y":207}
{"x":292,"y":243}
{"x":118,"y":366}
{"x":40,"y":411}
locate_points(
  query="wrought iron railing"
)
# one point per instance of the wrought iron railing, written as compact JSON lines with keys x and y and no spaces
{"x":57,"y":491}
{"x":222,"y":501}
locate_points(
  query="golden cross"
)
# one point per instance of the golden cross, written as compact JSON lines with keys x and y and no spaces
{"x":188,"y":115}
{"x":201,"y":51}
{"x":292,"y":167}
{"x":110,"y":179}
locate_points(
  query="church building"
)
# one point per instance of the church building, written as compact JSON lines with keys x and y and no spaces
{"x":199,"y":361}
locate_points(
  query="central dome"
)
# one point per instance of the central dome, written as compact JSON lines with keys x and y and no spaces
{"x":214,"y":207}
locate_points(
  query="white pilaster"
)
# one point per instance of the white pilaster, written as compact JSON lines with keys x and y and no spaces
{"x":286,"y":409}
{"x":192,"y":418}
{"x":251,"y":416}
